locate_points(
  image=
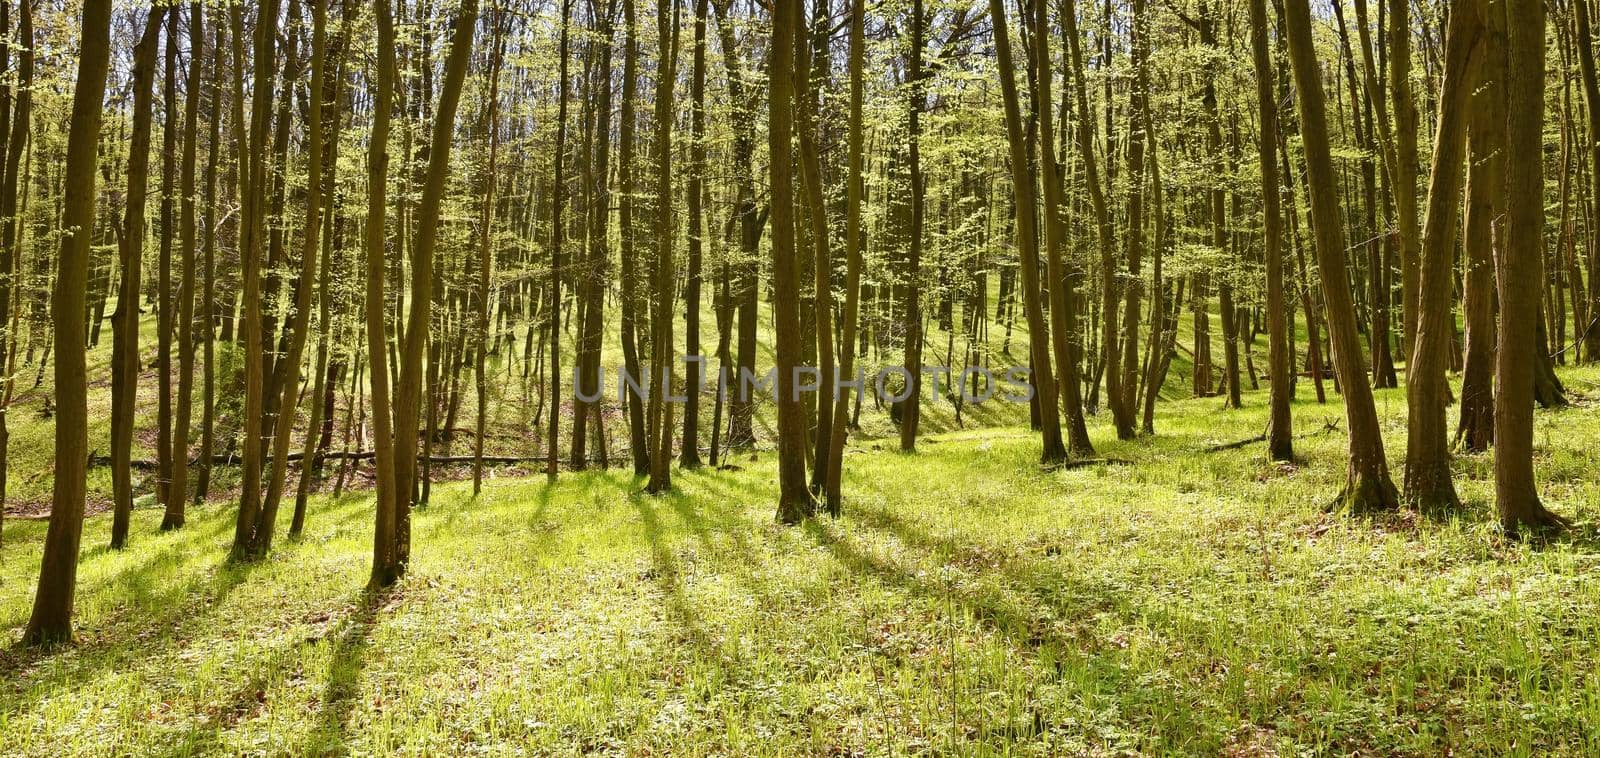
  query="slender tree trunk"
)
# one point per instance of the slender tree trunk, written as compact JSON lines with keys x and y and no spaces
{"x":409,"y":393}
{"x":1280,"y":433}
{"x":810,"y":67}
{"x":1027,"y":240}
{"x":208,"y":302}
{"x":165,"y":304}
{"x":1519,"y":264}
{"x":125,"y":321}
{"x":1591,"y":96}
{"x":1061,"y":331}
{"x":178,"y":486}
{"x":486,"y":246}
{"x":911,"y":409}
{"x":661,"y":348}
{"x":558,"y":199}
{"x":694,"y":376}
{"x":1368,"y":487}
{"x":794,"y":500}
{"x":1428,"y":482}
{"x":1405,"y":181}
{"x":638,"y":440}
{"x":386,"y":568}
{"x":1138,"y":102}
{"x":290,"y":366}
{"x":21,"y":119}
{"x":854,"y":191}
{"x":51,"y":621}
{"x":253,"y":186}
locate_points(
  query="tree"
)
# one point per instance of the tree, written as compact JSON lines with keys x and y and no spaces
{"x":689,"y":456}
{"x":558,"y":199}
{"x":1063,"y":324}
{"x":1591,"y":96}
{"x":1428,"y":482}
{"x":660,"y":413}
{"x":1485,"y":162}
{"x":178,"y":482}
{"x":1280,"y":444}
{"x":130,"y":247}
{"x":51,"y":621}
{"x":386,"y":566}
{"x":21,"y":120}
{"x":1368,"y":487}
{"x":486,"y":241}
{"x":794,"y":500}
{"x":1022,"y":187}
{"x":1519,"y":266}
{"x":849,"y":321}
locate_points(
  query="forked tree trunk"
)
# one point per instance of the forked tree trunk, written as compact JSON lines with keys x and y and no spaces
{"x":1022,"y":185}
{"x":290,"y":384}
{"x":1062,"y":326}
{"x":808,"y":68}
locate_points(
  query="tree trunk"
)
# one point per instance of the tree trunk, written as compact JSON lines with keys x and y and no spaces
{"x":1519,"y":263}
{"x":486,"y":244}
{"x":51,"y":620}
{"x":1027,"y":240}
{"x":125,"y":321}
{"x":854,"y":192}
{"x":21,"y":119}
{"x":794,"y":500}
{"x":1368,"y":487}
{"x":661,"y":348}
{"x":1280,"y":432}
{"x":1428,"y":482}
{"x":386,"y":568}
{"x":694,"y":369}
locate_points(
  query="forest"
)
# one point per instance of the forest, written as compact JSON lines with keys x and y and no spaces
{"x":821,"y":377}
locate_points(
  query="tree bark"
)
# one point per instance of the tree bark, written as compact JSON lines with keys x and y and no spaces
{"x":1280,"y":432}
{"x":794,"y":499}
{"x":51,"y":620}
{"x":125,"y":320}
{"x":1428,"y":482}
{"x":1519,"y":265}
{"x":1368,"y":487}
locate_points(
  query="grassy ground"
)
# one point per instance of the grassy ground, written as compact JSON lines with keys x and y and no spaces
{"x":1192,"y":602}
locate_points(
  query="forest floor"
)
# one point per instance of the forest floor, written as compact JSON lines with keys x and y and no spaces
{"x":1189,"y":601}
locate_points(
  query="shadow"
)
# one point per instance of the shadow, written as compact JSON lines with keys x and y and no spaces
{"x":1056,"y":597}
{"x":187,"y":609}
{"x":150,"y":614}
{"x":351,"y":639}
{"x":666,"y":571}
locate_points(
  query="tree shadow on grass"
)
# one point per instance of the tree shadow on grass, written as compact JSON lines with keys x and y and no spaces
{"x":351,"y":639}
{"x":667,"y":572}
{"x":166,"y":607}
{"x":1033,"y":606}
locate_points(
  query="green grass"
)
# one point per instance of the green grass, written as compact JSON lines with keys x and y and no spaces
{"x":1193,"y":602}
